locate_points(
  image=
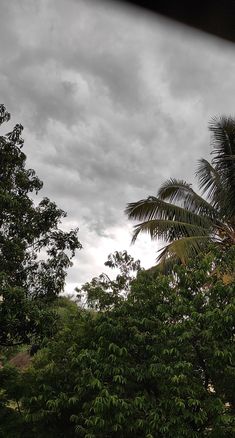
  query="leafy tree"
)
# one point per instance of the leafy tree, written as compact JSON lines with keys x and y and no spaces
{"x":13,"y":385}
{"x":159,"y":364}
{"x":102,"y":293}
{"x":10,"y":413}
{"x":34,"y":252}
{"x":184,"y":219}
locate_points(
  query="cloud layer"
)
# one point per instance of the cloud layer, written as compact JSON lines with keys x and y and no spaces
{"x":114,"y":101}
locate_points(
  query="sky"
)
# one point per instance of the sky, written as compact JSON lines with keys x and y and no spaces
{"x":114,"y":100}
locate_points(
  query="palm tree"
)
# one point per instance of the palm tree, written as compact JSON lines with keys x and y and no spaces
{"x":184,"y":219}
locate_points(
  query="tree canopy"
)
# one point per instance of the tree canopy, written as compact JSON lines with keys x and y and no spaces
{"x":102,"y":292}
{"x":34,"y":252}
{"x":158,"y":364}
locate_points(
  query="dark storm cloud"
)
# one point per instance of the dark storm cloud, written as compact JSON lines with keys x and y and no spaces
{"x":113,"y":103}
{"x":87,"y":42}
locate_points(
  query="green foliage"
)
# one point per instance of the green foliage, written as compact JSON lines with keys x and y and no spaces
{"x":102,"y":293}
{"x":181,"y":217}
{"x":10,"y":394}
{"x":159,"y":364}
{"x":27,"y":279}
{"x":23,"y":320}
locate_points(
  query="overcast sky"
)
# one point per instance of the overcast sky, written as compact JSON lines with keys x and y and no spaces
{"x":114,"y":101}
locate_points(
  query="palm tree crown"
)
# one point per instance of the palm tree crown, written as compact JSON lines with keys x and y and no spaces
{"x":184,"y":219}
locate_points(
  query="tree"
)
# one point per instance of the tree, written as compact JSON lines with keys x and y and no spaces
{"x":158,"y":364}
{"x":13,"y":385}
{"x":28,"y":279}
{"x":102,"y":293}
{"x":184,"y":219}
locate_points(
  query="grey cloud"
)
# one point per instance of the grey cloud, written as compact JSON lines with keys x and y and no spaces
{"x":90,"y":52}
{"x":113,"y":103}
{"x":199,"y":70}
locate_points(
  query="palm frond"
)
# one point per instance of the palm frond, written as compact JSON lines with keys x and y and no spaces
{"x":223,"y":142}
{"x":210,"y":183}
{"x":180,"y":251}
{"x":155,"y":208}
{"x":168,"y":230}
{"x":174,"y":190}
{"x":223,"y":129}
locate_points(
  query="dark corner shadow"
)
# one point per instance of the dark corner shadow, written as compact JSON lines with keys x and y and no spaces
{"x":213,"y":16}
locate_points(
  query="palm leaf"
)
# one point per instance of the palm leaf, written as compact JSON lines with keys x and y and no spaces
{"x":168,"y":230}
{"x":223,"y":130}
{"x":155,"y":208}
{"x":174,"y":190}
{"x":211,"y":183}
{"x":180,"y":251}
